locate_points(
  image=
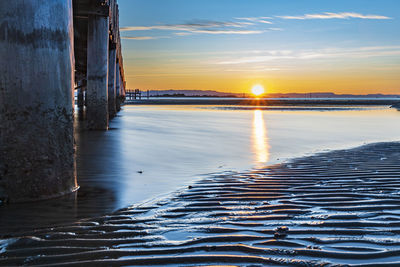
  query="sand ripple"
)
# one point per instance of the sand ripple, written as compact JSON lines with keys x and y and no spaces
{"x":334,"y":208}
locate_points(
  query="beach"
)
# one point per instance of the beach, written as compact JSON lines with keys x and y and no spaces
{"x":152,"y":151}
{"x":292,"y":185}
{"x":335,"y":208}
{"x":199,"y":133}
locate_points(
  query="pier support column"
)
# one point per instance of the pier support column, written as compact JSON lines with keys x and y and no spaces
{"x":80,"y":98}
{"x":123,"y":91}
{"x":118,"y":86}
{"x":81,"y":103}
{"x":112,"y":108}
{"x":36,"y":100}
{"x":97,"y":72}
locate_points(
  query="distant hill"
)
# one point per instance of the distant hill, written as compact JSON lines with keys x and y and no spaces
{"x":211,"y":93}
{"x":192,"y":93}
{"x":329,"y":95}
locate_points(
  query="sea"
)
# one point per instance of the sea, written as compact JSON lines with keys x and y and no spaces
{"x":154,"y":151}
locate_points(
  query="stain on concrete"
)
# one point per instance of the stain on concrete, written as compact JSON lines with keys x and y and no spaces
{"x":38,"y":38}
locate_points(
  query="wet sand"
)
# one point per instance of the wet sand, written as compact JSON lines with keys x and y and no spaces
{"x":340,"y":207}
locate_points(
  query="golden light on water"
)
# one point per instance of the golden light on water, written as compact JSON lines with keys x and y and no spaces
{"x":257,"y":90}
{"x":260,"y":138}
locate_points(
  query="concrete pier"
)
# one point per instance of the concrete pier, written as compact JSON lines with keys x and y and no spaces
{"x":45,"y":46}
{"x":36,"y":100}
{"x":97,"y":72}
{"x":112,"y":108}
{"x":81,"y":99}
{"x":81,"y":102}
{"x":118,"y":87}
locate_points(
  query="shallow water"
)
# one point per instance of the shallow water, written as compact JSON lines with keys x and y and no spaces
{"x":339,"y":208}
{"x":151,"y":150}
{"x":173,"y":145}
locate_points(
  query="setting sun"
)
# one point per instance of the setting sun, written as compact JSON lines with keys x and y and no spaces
{"x":257,"y":90}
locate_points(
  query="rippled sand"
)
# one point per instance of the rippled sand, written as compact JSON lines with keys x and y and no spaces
{"x":340,"y":207}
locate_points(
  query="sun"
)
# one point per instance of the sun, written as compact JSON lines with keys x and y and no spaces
{"x":257,"y":90}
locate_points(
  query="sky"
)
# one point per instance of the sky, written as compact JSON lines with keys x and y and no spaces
{"x":341,"y":46}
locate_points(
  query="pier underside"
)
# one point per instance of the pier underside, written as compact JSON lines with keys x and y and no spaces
{"x":49,"y":49}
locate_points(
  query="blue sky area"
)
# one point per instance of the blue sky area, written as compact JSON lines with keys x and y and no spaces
{"x":348,"y":46}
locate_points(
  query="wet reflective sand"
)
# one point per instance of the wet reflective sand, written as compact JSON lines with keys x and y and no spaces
{"x":173,"y":146}
{"x":340,"y":207}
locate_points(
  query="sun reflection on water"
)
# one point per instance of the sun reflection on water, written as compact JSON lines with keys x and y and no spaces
{"x":260,"y":139}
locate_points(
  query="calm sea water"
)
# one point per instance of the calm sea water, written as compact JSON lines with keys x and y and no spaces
{"x":174,"y":145}
{"x":151,"y":151}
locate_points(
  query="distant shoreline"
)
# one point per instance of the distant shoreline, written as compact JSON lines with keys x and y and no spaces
{"x":268,"y":101}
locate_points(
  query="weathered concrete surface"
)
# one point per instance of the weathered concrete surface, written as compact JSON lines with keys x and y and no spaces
{"x":80,"y":98}
{"x":36,"y":93}
{"x":112,"y":108}
{"x":118,"y":87}
{"x":97,"y":73}
{"x":81,"y":102}
{"x":122,"y":90}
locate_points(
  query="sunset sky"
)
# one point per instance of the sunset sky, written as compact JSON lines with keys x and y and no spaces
{"x":342,"y":46}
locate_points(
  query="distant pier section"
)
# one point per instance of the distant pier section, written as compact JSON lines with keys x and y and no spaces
{"x":49,"y":49}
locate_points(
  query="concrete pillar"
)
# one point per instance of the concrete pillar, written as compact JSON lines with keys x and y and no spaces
{"x":112,"y":60}
{"x":97,"y":72}
{"x":81,"y":102}
{"x":118,"y":86}
{"x":123,"y":91}
{"x":80,"y":98}
{"x":36,"y":100}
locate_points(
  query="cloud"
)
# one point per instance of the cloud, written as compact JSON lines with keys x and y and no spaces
{"x":238,"y":26}
{"x":330,"y":15}
{"x":183,"y":33}
{"x":264,"y":20}
{"x":207,"y":31}
{"x":141,"y":38}
{"x":200,"y":27}
{"x":193,"y":26}
{"x":255,"y":69}
{"x":218,"y":32}
{"x":332,"y":53}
